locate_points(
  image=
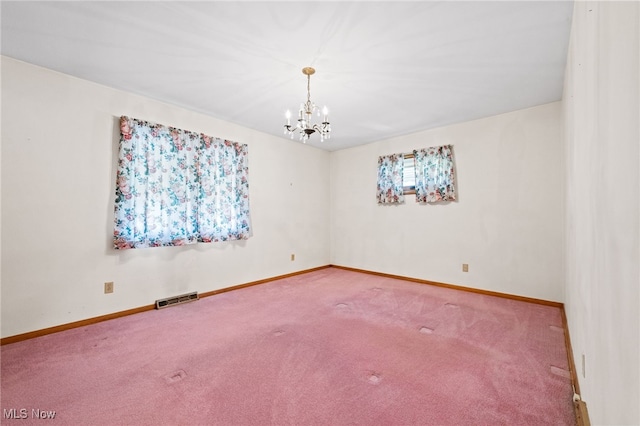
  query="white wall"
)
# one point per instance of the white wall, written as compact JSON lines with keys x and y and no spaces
{"x":602,"y":131}
{"x":59,"y":150}
{"x":506,"y":224}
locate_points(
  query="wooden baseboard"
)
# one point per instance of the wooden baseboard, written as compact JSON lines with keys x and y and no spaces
{"x":266,"y":280}
{"x":567,"y":344}
{"x":75,"y":324}
{"x":579,"y":407}
{"x":456,"y":287}
{"x":95,"y":320}
{"x":582,"y":416}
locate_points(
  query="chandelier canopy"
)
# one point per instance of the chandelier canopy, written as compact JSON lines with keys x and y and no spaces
{"x":305,"y":126}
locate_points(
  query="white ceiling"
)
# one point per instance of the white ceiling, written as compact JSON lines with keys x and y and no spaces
{"x":384,"y":69}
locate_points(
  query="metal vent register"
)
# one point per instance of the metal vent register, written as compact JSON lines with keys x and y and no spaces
{"x":176,"y":300}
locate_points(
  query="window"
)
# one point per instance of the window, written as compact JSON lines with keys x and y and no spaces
{"x":427,"y":173}
{"x":409,"y":175}
{"x":176,"y":187}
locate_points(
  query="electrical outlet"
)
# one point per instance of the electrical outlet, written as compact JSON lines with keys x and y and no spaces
{"x":293,"y":257}
{"x":108,"y":287}
{"x":465,"y":267}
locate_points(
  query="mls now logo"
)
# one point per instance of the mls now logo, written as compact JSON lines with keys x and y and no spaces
{"x":23,"y":413}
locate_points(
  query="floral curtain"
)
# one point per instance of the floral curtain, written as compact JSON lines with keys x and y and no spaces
{"x":176,"y":187}
{"x":390,"y":169}
{"x":435,"y":180}
{"x":223,"y":212}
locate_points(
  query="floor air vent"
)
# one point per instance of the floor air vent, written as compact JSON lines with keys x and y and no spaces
{"x":176,"y":300}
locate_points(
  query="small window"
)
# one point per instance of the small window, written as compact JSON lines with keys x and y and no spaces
{"x":409,"y":175}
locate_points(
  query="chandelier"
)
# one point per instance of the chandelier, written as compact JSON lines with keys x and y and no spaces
{"x":304,"y":126}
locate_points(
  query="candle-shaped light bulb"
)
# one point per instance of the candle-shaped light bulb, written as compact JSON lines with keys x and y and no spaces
{"x":288,"y":115}
{"x":325,"y":112}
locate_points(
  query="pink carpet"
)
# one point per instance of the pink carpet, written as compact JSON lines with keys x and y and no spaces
{"x":330,"y":347}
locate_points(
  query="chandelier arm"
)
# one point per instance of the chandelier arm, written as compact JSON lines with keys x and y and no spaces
{"x":322,"y":128}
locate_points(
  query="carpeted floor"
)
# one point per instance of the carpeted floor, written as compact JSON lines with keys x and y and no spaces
{"x":330,"y":347}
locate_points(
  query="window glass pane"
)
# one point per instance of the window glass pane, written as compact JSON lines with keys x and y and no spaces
{"x":409,"y":174}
